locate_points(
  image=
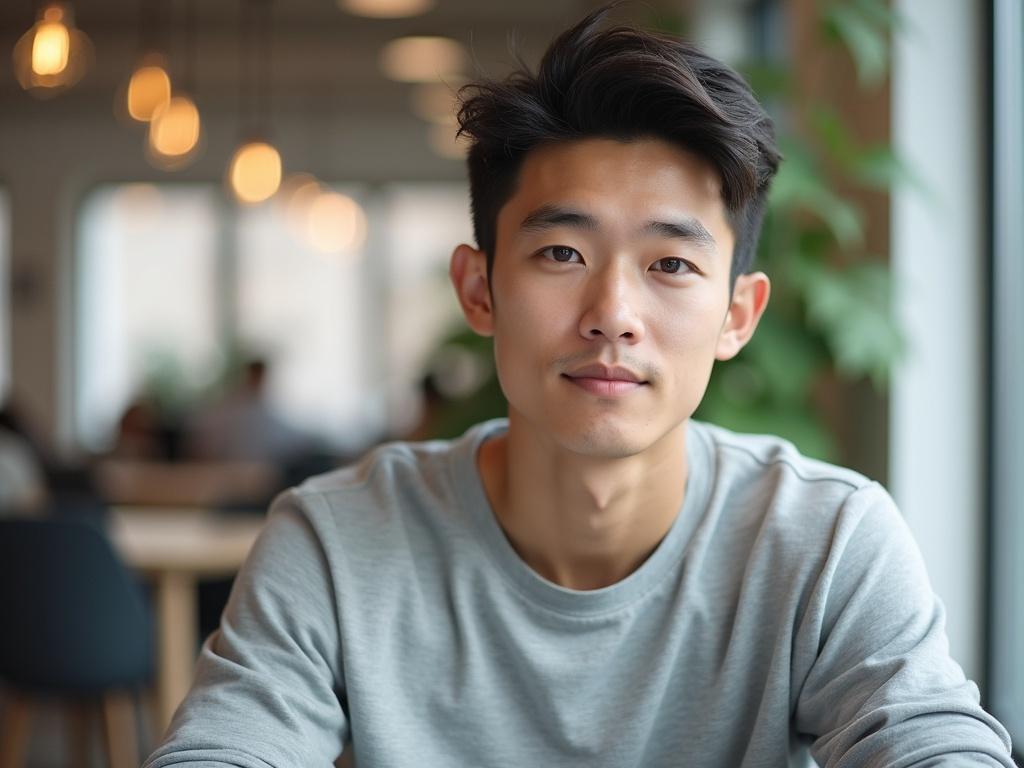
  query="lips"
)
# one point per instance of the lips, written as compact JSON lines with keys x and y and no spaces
{"x":606,"y":373}
{"x":605,"y":381}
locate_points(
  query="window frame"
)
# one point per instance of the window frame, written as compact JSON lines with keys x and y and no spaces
{"x":1006,"y":368}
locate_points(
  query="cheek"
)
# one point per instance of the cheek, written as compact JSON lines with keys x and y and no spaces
{"x":688,"y":324}
{"x":534,"y":309}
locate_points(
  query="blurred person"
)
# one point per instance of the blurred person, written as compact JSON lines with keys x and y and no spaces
{"x":597,"y":579}
{"x":243,"y":425}
{"x":139,"y":432}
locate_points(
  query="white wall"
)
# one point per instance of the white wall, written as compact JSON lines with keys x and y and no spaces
{"x":938,"y":252}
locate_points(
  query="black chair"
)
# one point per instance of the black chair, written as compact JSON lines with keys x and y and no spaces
{"x":76,"y":627}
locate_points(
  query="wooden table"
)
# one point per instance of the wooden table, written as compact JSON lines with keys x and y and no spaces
{"x":175,"y":548}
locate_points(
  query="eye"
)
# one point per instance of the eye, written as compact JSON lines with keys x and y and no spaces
{"x":562,"y":254}
{"x":674,"y":266}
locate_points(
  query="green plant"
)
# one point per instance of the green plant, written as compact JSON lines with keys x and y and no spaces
{"x":831,"y":310}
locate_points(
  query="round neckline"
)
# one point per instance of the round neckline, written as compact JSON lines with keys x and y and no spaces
{"x":572,"y":602}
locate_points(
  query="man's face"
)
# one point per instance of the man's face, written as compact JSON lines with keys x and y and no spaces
{"x":610,"y":255}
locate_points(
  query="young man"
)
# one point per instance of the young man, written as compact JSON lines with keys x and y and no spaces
{"x":597,"y":580}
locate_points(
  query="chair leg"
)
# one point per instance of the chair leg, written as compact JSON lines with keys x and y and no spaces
{"x":14,"y":731}
{"x":119,"y":730}
{"x":81,"y":715}
{"x":149,"y":711}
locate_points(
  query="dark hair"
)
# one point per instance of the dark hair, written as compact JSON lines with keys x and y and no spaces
{"x":620,"y":83}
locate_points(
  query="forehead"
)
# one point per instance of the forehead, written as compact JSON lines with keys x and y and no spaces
{"x":617,"y":181}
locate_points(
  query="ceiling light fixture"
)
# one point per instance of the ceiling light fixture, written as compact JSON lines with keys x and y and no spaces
{"x":175,"y":129}
{"x":149,"y":86}
{"x":254,"y":174}
{"x":53,"y":54}
{"x":420,"y":59}
{"x":386,"y":9}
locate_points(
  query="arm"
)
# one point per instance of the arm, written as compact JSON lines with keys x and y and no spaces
{"x":883,"y":689}
{"x":268,"y":686}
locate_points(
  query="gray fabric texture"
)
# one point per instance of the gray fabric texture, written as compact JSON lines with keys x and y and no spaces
{"x":786,"y":614}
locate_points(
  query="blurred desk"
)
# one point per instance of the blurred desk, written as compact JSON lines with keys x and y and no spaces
{"x":175,"y":548}
{"x":186,"y":484}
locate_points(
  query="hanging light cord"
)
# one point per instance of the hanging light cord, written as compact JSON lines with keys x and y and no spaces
{"x":191,"y":51}
{"x":255,"y":65}
{"x":265,"y":52}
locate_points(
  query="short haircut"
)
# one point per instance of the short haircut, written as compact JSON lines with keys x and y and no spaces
{"x":620,"y":83}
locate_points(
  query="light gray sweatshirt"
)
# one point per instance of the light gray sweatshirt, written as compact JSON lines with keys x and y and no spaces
{"x":383,"y":611}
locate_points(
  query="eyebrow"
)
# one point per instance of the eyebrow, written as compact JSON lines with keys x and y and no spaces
{"x":548,"y":216}
{"x":688,"y":229}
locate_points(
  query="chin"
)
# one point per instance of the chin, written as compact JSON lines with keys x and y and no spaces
{"x":603,"y":440}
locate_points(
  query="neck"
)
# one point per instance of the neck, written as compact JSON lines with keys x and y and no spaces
{"x":579,"y":521}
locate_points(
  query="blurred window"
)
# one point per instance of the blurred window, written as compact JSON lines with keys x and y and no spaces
{"x":1006,"y":668}
{"x":146,"y":299}
{"x":173,"y":281}
{"x":426,"y":222}
{"x":308,"y":312}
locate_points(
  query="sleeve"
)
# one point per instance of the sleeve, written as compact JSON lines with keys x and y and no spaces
{"x":882,"y":689}
{"x":268,"y":689}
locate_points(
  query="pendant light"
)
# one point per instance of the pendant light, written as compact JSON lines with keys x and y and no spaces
{"x":254,"y":173}
{"x":423,"y":59}
{"x":53,"y":54}
{"x":175,"y":129}
{"x":149,"y":87}
{"x":386,"y":9}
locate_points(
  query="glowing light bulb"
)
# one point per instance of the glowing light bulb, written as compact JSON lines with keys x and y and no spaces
{"x":422,"y":59}
{"x":53,"y":55}
{"x":335,"y":223}
{"x":174,"y":133}
{"x":255,"y":172}
{"x":52,"y":43}
{"x":295,"y":197}
{"x":386,"y":9}
{"x":148,"y":89}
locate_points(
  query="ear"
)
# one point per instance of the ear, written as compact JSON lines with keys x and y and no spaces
{"x":749,"y":299}
{"x":468,"y":273}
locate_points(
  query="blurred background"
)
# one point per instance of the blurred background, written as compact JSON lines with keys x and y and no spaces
{"x":224,"y":236}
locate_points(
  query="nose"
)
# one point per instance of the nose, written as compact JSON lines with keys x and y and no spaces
{"x":610,"y":308}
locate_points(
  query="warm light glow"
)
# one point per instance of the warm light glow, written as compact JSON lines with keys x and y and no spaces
{"x":52,"y":43}
{"x":336,"y":223}
{"x":386,"y":9}
{"x":436,"y":102}
{"x":296,"y":196}
{"x":53,"y":55}
{"x":422,"y":59}
{"x":148,"y":90}
{"x":443,"y":142}
{"x":139,"y":200}
{"x":255,"y":172}
{"x":174,"y":129}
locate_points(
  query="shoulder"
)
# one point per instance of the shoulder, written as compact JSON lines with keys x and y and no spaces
{"x":753,"y":454}
{"x":764,"y":481}
{"x":393,"y":489}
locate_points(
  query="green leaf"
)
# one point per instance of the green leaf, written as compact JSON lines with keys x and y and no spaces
{"x":882,"y":14}
{"x":787,"y":356}
{"x":852,"y":307}
{"x":798,"y":185}
{"x":861,"y":35}
{"x":833,"y":133}
{"x":881,"y":167}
